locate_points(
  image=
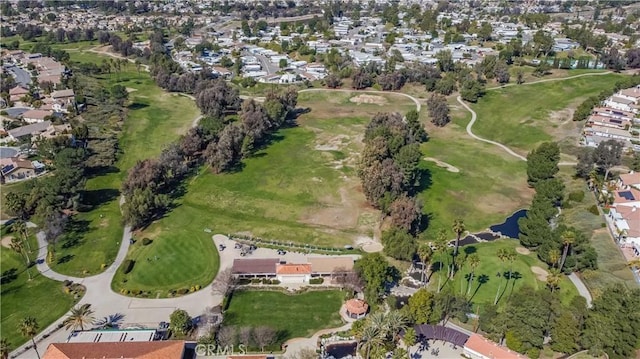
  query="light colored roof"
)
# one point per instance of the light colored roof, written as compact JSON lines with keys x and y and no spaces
{"x":356,"y":306}
{"x":110,"y":336}
{"x":633,"y":92}
{"x":18,"y":90}
{"x":171,"y":349}
{"x":33,"y":128}
{"x":489,"y":349}
{"x":36,"y":114}
{"x":629,"y":179}
{"x":63,"y":93}
{"x":293,"y":269}
{"x":621,"y":100}
{"x":632,"y":216}
{"x":330,"y":264}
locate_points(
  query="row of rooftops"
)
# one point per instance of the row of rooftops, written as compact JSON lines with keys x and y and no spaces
{"x":274,"y":266}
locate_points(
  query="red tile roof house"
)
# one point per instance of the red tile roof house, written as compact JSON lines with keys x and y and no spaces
{"x":629,"y":180}
{"x":16,"y":93}
{"x":479,"y":347}
{"x":293,"y":273}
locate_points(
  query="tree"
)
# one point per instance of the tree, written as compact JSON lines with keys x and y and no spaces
{"x":607,"y":155}
{"x":226,"y":336}
{"x":554,"y":257}
{"x":16,"y":204}
{"x":445,"y":60}
{"x":5,"y":348}
{"x":264,"y":336}
{"x":471,"y":90}
{"x":245,"y":335}
{"x":502,"y":73}
{"x":438,"y":110}
{"x":440,"y":245}
{"x":519,"y":76}
{"x":502,"y":255}
{"x":553,"y":279}
{"x":406,"y":213}
{"x":564,"y":331}
{"x":542,"y":162}
{"x":421,"y":305}
{"x":568,"y":238}
{"x":374,"y":269}
{"x":425,"y":253}
{"x":79,"y":317}
{"x":543,"y":42}
{"x":415,"y":127}
{"x":333,"y":81}
{"x":54,"y":226}
{"x":225,"y":283}
{"x":474,"y":261}
{"x":29,"y":328}
{"x":458,"y":228}
{"x":369,"y":339}
{"x":18,"y":246}
{"x":180,"y":322}
{"x":409,"y":339}
{"x":398,"y":244}
{"x":283,"y":63}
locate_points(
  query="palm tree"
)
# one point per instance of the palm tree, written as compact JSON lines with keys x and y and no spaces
{"x":502,"y":255}
{"x":554,"y":257}
{"x":369,"y":339}
{"x":568,"y":238}
{"x":553,"y":279}
{"x":395,"y":322}
{"x":474,"y":261}
{"x":18,"y":247}
{"x":441,"y":248}
{"x":635,"y":263}
{"x":425,"y":252}
{"x":29,"y":328}
{"x":20,"y":226}
{"x":409,"y":340}
{"x":4,"y":348}
{"x":78,"y":317}
{"x":458,"y":229}
{"x":511,"y":257}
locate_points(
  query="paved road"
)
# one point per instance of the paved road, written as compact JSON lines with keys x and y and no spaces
{"x":582,"y":289}
{"x":22,"y":77}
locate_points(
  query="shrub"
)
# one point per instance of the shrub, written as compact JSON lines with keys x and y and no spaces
{"x":192,"y":289}
{"x":67,"y":282}
{"x":127,"y":266}
{"x":594,"y":210}
{"x":275,"y":281}
{"x":103,"y":266}
{"x":244,"y":281}
{"x":316,"y":281}
{"x":255,"y":281}
{"x":67,"y":290}
{"x":182,"y":291}
{"x":197,"y":286}
{"x":576,"y":196}
{"x":146,"y":241}
{"x":533,"y":353}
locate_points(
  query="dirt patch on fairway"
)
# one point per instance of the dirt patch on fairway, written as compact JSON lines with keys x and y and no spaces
{"x":442,"y":164}
{"x":523,"y":251}
{"x":6,"y":241}
{"x":131,"y":89}
{"x":540,"y":273}
{"x":335,"y":143}
{"x":502,"y":204}
{"x":369,"y":99}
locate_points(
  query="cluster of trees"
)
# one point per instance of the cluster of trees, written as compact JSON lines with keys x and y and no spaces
{"x":217,"y":141}
{"x":388,"y":169}
{"x":563,"y":248}
{"x":584,"y":109}
{"x":376,"y":273}
{"x":610,"y":326}
{"x":438,"y":109}
{"x":601,"y":159}
{"x":250,"y":337}
{"x":124,"y":47}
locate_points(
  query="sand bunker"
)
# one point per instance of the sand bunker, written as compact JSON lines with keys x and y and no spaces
{"x":6,"y":242}
{"x":523,"y":251}
{"x":370,"y":99}
{"x":444,"y":165}
{"x":540,"y":273}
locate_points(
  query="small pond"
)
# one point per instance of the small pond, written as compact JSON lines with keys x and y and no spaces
{"x":509,"y":227}
{"x":341,"y":350}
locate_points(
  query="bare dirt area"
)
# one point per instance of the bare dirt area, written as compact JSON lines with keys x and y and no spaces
{"x":131,"y":89}
{"x":369,"y":99}
{"x":540,"y":273}
{"x":448,"y":167}
{"x":502,"y":204}
{"x":523,"y":251}
{"x":6,"y":241}
{"x":335,"y":143}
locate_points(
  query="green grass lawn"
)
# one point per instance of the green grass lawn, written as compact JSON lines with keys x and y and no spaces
{"x":490,"y":266}
{"x":612,"y":267}
{"x":155,"y":118}
{"x":489,"y":186}
{"x":292,"y":316}
{"x":41,"y":298}
{"x":521,"y":117}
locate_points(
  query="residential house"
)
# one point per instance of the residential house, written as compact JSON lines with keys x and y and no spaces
{"x":33,"y":116}
{"x":626,"y":222}
{"x":608,"y":121}
{"x":169,"y":349}
{"x":28,"y":130}
{"x":621,"y":103}
{"x":16,"y":169}
{"x":322,"y":266}
{"x":16,"y":93}
{"x":627,"y":198}
{"x":479,"y":347}
{"x":629,"y":180}
{"x":62,"y":99}
{"x":608,"y":132}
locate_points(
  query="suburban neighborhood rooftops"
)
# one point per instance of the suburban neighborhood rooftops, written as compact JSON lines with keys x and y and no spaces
{"x":633,"y":92}
{"x":630,"y":179}
{"x":330,"y":264}
{"x":254,"y":266}
{"x":62,"y":93}
{"x":36,"y":114}
{"x":170,"y":349}
{"x":293,"y":269}
{"x":621,"y":100}
{"x":632,"y":216}
{"x":489,"y":349}
{"x":626,"y":196}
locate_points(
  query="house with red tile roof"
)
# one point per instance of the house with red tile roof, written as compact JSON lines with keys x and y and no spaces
{"x":629,"y":180}
{"x":170,"y":349}
{"x":293,"y":273}
{"x":627,"y":197}
{"x":479,"y":347}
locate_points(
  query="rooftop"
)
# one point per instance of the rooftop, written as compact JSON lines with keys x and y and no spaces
{"x":356,"y":306}
{"x":489,"y":349}
{"x":293,"y":269}
{"x":630,"y":179}
{"x":254,"y":266}
{"x":108,"y":336}
{"x":171,"y":349}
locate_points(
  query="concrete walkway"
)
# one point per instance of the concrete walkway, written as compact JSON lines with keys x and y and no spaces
{"x":582,"y":289}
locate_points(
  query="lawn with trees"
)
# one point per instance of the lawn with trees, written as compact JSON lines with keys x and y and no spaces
{"x":22,"y":298}
{"x":289,"y":315}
